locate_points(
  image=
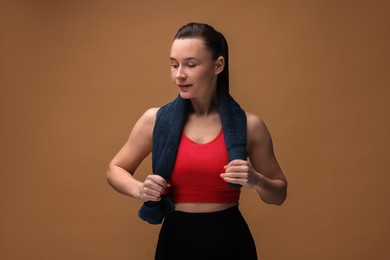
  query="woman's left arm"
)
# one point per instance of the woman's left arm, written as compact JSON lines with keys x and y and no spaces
{"x":262,"y":171}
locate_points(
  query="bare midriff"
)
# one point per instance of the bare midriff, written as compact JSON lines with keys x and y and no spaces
{"x":201,"y":207}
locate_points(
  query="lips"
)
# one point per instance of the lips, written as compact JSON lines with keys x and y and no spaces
{"x":184,"y":88}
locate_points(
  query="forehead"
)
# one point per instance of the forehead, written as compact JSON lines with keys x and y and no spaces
{"x":191,"y":47}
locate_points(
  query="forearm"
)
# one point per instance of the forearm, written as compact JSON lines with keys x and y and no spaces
{"x":271,"y":191}
{"x":123,"y":182}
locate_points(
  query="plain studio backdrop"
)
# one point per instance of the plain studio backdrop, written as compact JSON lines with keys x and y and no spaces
{"x":76,"y":75}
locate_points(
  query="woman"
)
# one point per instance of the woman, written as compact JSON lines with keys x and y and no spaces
{"x":206,"y":174}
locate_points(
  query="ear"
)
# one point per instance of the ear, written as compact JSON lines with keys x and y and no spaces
{"x":219,"y":65}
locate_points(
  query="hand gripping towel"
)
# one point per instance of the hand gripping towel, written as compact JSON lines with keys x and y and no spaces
{"x":170,"y":120}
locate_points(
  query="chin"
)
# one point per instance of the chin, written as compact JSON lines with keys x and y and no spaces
{"x":185,"y":95}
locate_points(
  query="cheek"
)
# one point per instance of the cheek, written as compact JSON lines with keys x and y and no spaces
{"x":173,"y":74}
{"x":205,"y":75}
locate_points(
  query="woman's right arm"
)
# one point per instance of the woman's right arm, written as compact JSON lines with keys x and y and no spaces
{"x":126,"y":161}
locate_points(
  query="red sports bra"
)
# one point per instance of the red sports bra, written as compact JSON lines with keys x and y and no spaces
{"x":196,"y":174}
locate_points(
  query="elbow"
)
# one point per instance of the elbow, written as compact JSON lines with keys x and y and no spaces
{"x":279,"y":196}
{"x":281,"y":200}
{"x":109,"y":175}
{"x":282,"y":195}
{"x":278,"y":201}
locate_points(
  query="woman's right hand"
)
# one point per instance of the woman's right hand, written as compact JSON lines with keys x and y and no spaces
{"x":152,"y":188}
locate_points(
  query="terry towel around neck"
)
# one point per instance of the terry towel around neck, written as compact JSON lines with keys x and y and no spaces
{"x":167,"y":131}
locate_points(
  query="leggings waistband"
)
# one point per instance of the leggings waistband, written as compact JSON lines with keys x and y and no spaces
{"x":229,"y":212}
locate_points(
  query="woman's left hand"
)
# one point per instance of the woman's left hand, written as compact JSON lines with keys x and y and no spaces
{"x":241,"y":172}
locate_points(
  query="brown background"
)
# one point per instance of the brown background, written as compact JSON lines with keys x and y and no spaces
{"x":76,"y":75}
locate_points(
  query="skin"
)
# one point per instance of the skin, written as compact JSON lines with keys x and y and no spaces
{"x":194,"y":72}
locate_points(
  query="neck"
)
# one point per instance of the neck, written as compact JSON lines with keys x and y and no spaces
{"x":204,"y":106}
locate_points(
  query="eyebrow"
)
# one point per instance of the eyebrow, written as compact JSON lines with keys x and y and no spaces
{"x":186,"y":59}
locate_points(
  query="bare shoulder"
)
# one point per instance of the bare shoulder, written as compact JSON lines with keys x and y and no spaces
{"x":150,"y":115}
{"x":257,"y":130}
{"x":148,"y":119}
{"x":255,"y":124}
{"x":144,"y":126}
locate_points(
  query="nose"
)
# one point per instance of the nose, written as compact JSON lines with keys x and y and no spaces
{"x":180,"y":74}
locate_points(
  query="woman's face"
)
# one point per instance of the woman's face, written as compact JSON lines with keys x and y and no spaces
{"x":192,"y":68}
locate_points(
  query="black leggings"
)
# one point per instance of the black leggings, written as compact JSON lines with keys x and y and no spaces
{"x":202,"y":236}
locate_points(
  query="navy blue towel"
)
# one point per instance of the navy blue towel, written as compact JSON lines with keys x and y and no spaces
{"x":166,"y":137}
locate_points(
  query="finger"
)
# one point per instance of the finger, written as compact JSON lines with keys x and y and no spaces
{"x":234,"y":180}
{"x":242,"y":180}
{"x":236,"y":162}
{"x":151,"y":198}
{"x":153,"y":188}
{"x":152,"y":192}
{"x":158,"y":180}
{"x":150,"y":195}
{"x":235,"y":175}
{"x":239,"y":168}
